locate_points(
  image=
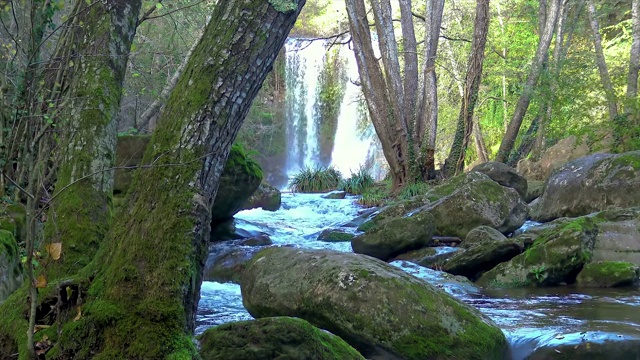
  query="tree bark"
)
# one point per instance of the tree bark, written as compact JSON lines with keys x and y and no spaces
{"x":612,"y":102}
{"x":634,"y":57}
{"x":455,"y":161}
{"x":506,"y":146}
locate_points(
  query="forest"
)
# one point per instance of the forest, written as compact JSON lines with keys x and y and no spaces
{"x":441,"y":87}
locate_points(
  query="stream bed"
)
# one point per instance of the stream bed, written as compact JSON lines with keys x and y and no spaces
{"x":533,"y":319}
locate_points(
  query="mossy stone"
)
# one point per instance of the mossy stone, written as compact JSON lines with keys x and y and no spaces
{"x":273,"y":338}
{"x":608,"y":274}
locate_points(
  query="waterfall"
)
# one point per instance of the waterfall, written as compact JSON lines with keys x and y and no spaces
{"x":313,"y":139}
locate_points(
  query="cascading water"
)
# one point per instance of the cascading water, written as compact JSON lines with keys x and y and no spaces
{"x":351,"y":146}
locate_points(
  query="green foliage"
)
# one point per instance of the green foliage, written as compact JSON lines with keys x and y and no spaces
{"x":413,"y":189}
{"x":313,"y":180}
{"x":377,"y":194}
{"x":358,"y":183}
{"x":238,"y":156}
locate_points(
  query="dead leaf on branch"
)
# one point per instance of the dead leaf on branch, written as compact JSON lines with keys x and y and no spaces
{"x":55,"y":250}
{"x":79,"y":314}
{"x":41,"y":282}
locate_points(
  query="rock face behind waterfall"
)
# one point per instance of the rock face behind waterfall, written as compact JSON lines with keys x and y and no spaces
{"x":378,"y":309}
{"x":589,"y":184}
{"x":273,"y":338}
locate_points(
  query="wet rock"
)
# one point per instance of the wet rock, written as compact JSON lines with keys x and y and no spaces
{"x":10,"y":265}
{"x":380,"y":310}
{"x":504,"y":175}
{"x":266,"y":197}
{"x":260,"y":240}
{"x":589,"y":345}
{"x":618,"y":236}
{"x":481,"y":234}
{"x":590,"y":184}
{"x":396,"y":236}
{"x":474,"y":200}
{"x":335,"y":195}
{"x":458,"y":286}
{"x":335,"y":235}
{"x":273,"y":338}
{"x":608,"y":274}
{"x":482,"y":256}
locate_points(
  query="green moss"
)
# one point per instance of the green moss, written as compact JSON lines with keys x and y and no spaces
{"x":239,"y":157}
{"x":631,"y":159}
{"x":8,"y":244}
{"x":608,"y":274}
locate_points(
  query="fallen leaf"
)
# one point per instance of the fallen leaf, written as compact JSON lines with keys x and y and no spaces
{"x":55,"y":249}
{"x":79,"y":314}
{"x":41,"y":282}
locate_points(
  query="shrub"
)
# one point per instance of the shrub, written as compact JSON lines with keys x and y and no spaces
{"x":358,"y":183}
{"x":320,"y":179}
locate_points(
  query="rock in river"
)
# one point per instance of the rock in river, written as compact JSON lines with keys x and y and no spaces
{"x":378,"y":309}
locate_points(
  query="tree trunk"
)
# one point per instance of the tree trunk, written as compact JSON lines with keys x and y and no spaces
{"x":87,"y":96}
{"x":612,"y":101}
{"x":138,"y":298}
{"x":532,"y":79}
{"x":455,"y":161}
{"x":427,"y":124}
{"x":634,"y":64}
{"x":481,"y":147}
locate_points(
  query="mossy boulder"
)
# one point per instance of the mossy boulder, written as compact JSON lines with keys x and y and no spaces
{"x":13,"y":218}
{"x":266,"y":197}
{"x":273,"y":338}
{"x":482,"y":256}
{"x":377,"y":308}
{"x":396,"y":236}
{"x":335,"y":235}
{"x":10,"y":265}
{"x":395,"y":210}
{"x":618,"y":236}
{"x":556,"y":256}
{"x":590,"y":184}
{"x":504,"y":175}
{"x":239,"y":180}
{"x":482,"y":234}
{"x":129,"y":152}
{"x":608,"y":274}
{"x":474,"y":200}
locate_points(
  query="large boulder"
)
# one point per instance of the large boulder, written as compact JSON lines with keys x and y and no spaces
{"x":239,"y":180}
{"x":556,"y":256}
{"x":618,"y":237}
{"x":227,"y":265}
{"x":608,"y":274}
{"x":482,"y":234}
{"x":471,"y":200}
{"x":378,"y":309}
{"x":10,"y":265}
{"x":395,"y":210}
{"x":396,"y":236}
{"x":129,"y":152}
{"x":266,"y":197}
{"x":273,"y":338}
{"x":590,"y":184}
{"x":504,"y":175}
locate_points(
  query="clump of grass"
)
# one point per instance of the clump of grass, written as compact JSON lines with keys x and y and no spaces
{"x":313,"y":180}
{"x":358,"y":183}
{"x":378,"y":194}
{"x":414,"y":189}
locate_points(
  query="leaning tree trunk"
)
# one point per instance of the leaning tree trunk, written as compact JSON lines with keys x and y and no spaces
{"x":634,"y":57}
{"x":513,"y":128}
{"x":146,"y":277}
{"x":455,"y":161}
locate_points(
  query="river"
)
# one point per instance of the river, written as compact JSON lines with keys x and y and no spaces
{"x":530,"y":318}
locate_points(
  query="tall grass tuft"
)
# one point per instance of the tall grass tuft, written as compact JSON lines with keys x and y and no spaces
{"x":414,"y":189}
{"x":358,"y":183}
{"x":314,"y":180}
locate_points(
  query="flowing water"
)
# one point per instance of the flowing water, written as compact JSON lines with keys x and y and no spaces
{"x":530,"y":318}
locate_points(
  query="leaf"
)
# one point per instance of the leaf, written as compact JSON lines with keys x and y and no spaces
{"x":70,"y":63}
{"x":79,"y":315}
{"x":41,"y":282}
{"x":55,"y":250}
{"x":158,"y":6}
{"x":40,"y":327}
